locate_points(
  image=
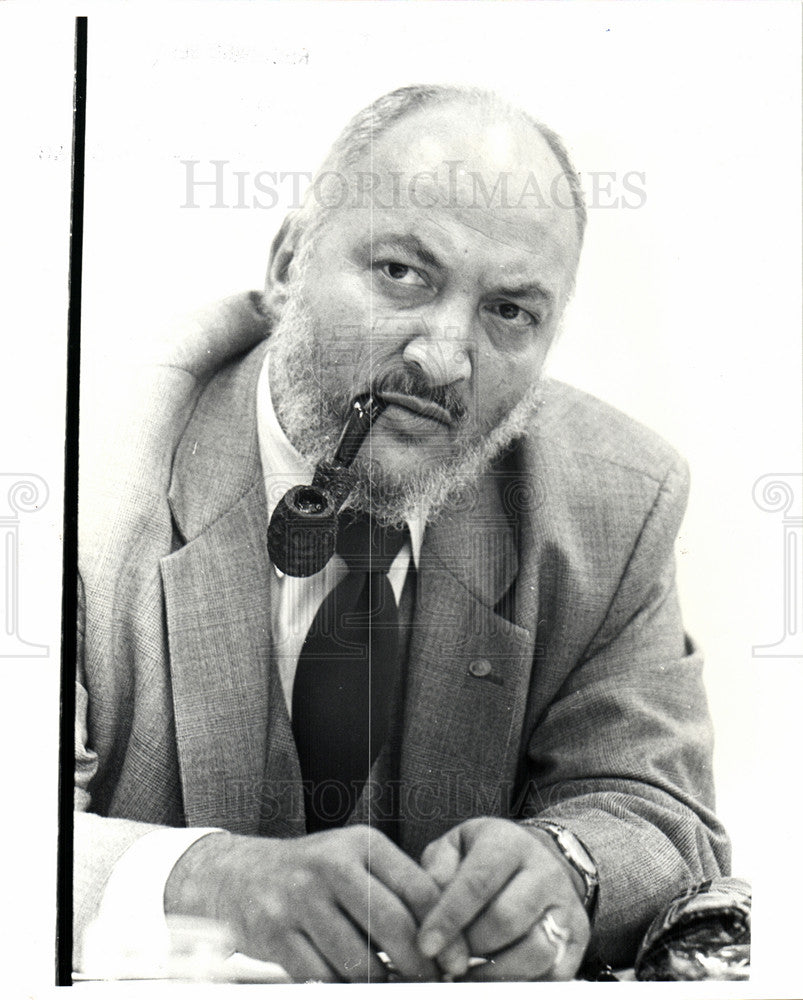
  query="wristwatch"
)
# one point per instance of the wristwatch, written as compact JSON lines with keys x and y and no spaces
{"x":578,"y":857}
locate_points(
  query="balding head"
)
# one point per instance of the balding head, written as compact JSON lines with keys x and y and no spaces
{"x":359,"y":139}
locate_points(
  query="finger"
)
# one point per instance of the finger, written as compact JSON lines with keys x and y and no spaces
{"x":481,"y":875}
{"x":303,"y":962}
{"x":509,"y":916}
{"x":402,"y":877}
{"x":386,"y":920}
{"x":534,"y":957}
{"x":441,"y":859}
{"x":454,"y":958}
{"x":398,"y":871}
{"x":347,"y":947}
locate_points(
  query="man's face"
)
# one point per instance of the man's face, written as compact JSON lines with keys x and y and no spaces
{"x":421,"y":287}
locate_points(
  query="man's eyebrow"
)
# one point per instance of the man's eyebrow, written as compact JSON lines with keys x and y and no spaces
{"x":408,"y":244}
{"x":528,"y":290}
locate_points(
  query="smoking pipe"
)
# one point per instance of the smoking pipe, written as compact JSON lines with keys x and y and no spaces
{"x":303,"y":529}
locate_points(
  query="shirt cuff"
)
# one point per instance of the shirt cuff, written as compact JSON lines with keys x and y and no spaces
{"x":131,"y":913}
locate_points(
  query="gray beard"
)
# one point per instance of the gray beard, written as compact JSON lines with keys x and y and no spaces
{"x":312,"y":419}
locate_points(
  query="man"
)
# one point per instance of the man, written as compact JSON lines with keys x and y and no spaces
{"x":541,"y":781}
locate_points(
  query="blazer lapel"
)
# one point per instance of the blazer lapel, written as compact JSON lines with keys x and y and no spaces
{"x":227,"y":697}
{"x":469,"y":668}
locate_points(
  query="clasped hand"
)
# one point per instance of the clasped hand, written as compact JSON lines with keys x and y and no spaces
{"x":324,"y":905}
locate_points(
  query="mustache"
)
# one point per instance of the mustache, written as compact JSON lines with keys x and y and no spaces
{"x":410,"y":380}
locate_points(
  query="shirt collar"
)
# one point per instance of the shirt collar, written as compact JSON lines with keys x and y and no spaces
{"x":283,"y":467}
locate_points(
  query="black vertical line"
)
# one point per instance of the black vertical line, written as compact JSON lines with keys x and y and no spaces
{"x":64,"y":915}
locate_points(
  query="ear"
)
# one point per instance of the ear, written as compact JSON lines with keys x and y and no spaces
{"x":277,"y":280}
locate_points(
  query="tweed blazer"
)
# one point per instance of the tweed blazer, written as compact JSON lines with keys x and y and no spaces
{"x":547,"y":672}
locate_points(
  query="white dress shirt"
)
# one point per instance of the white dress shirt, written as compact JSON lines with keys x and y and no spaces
{"x":134,"y":895}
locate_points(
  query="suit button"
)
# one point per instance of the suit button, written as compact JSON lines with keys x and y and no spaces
{"x":479,"y":668}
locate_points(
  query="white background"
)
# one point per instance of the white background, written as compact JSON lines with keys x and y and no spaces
{"x":686,"y":315}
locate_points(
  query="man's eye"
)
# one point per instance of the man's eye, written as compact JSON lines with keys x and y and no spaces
{"x":402,"y":274}
{"x":514,"y":315}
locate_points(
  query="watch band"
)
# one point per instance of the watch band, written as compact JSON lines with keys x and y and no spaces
{"x":575,"y":852}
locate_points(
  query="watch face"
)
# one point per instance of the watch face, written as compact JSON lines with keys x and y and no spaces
{"x":578,"y":853}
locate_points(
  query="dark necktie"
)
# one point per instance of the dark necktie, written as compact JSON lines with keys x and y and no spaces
{"x":346,"y":675}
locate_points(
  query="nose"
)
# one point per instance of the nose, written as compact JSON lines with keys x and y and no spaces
{"x":441,"y":349}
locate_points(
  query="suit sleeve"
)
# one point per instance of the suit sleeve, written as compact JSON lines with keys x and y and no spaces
{"x":131,"y":456}
{"x":623,"y":757}
{"x":99,"y":842}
